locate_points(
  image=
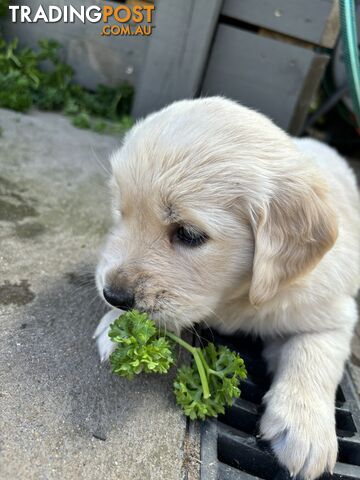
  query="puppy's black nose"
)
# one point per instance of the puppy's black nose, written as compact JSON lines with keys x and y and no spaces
{"x":119,"y":298}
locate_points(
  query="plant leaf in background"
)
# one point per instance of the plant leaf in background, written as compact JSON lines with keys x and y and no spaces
{"x":30,"y":78}
{"x":4,"y":4}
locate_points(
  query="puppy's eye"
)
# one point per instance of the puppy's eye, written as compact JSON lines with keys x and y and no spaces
{"x":190,"y":237}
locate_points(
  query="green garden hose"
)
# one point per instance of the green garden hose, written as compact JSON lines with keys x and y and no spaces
{"x":351,"y":53}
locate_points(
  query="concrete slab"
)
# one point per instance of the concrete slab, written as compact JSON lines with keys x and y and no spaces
{"x":62,"y":414}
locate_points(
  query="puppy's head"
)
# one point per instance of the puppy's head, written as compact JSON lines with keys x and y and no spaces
{"x":211,"y":203}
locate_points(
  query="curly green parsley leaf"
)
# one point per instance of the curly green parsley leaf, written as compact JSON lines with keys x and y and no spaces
{"x":140,"y":348}
{"x":224,"y":370}
{"x":202,"y":389}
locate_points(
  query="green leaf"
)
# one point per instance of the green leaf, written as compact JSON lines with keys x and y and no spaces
{"x":81,"y":120}
{"x":140,"y":348}
{"x":224,"y":368}
{"x":4,"y":7}
{"x":15,"y":92}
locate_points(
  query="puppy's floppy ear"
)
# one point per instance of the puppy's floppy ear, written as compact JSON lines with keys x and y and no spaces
{"x":292,"y":233}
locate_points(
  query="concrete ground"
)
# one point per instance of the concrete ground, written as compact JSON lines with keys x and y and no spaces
{"x":62,"y":414}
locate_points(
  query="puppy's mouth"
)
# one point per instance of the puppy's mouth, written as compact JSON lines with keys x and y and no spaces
{"x":156,"y":305}
{"x":155,"y":313}
{"x":163,"y":316}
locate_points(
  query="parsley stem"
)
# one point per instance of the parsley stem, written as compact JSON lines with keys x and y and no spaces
{"x":202,"y":358}
{"x":179,"y":340}
{"x":200,"y":362}
{"x":202,"y":373}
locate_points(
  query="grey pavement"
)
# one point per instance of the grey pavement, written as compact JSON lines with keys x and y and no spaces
{"x":62,"y":414}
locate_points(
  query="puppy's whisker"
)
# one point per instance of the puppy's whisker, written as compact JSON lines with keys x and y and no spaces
{"x":200,"y":338}
{"x":212,"y":314}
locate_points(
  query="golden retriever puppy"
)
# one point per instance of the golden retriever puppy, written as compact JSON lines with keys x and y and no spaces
{"x":221,"y":216}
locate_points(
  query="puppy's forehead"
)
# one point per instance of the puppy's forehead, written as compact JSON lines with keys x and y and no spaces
{"x":168,"y":172}
{"x":165,"y":195}
{"x":157,"y":196}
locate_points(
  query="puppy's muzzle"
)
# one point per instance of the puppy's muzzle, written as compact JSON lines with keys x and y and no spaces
{"x":122,"y":298}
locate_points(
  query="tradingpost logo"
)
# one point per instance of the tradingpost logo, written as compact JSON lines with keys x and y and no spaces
{"x":121,"y":20}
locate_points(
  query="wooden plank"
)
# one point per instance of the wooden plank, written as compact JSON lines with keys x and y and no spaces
{"x":177,"y":53}
{"x":314,"y":21}
{"x":259,"y":72}
{"x":95,"y":58}
{"x":310,"y":86}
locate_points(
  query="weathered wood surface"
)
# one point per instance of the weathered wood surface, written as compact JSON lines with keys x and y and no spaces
{"x":315,"y":21}
{"x":177,"y":52}
{"x":261,"y":73}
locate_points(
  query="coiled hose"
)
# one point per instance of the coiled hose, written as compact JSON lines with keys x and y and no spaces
{"x":351,"y":53}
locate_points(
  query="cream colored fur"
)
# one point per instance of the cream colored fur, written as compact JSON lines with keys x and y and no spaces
{"x":282,"y":259}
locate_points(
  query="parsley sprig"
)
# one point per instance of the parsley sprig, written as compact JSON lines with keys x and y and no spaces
{"x":140,"y":349}
{"x":202,"y":389}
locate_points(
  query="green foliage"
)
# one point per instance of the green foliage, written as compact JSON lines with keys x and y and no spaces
{"x":81,"y":120}
{"x":14,"y":92}
{"x":202,"y":389}
{"x":224,"y":370}
{"x":140,"y":348}
{"x":4,"y":7}
{"x":41,"y":79}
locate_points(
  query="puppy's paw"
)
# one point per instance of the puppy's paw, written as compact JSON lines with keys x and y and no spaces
{"x":104,"y":344}
{"x":301,"y":432}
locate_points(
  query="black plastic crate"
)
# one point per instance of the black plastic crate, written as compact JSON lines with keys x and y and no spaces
{"x":230,"y":448}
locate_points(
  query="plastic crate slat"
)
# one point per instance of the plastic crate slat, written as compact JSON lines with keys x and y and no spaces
{"x":252,"y":391}
{"x":346,"y":472}
{"x":349,"y":451}
{"x":351,"y":397}
{"x":242,"y":415}
{"x":229,"y":473}
{"x":345,"y":425}
{"x":209,"y":450}
{"x":242,"y":452}
{"x":340,"y":398}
